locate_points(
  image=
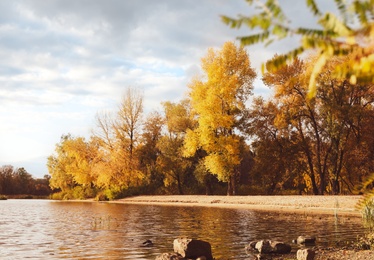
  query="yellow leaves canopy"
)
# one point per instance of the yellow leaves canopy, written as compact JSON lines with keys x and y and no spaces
{"x":218,"y":99}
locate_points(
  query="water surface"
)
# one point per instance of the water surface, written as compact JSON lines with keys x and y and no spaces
{"x":37,"y":229}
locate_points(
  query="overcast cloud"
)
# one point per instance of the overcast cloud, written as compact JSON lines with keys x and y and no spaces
{"x":63,"y":61}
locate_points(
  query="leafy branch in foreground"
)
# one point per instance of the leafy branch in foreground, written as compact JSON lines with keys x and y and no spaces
{"x":349,"y":32}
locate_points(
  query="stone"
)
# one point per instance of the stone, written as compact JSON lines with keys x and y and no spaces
{"x":252,"y":244}
{"x":305,"y":254}
{"x":264,"y":247}
{"x":305,"y":240}
{"x":169,"y":256}
{"x":147,"y":243}
{"x":251,"y":247}
{"x":192,"y":248}
{"x":272,"y":247}
{"x":280,"y":247}
{"x":263,"y":257}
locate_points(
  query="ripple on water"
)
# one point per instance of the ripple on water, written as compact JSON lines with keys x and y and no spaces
{"x":54,"y":230}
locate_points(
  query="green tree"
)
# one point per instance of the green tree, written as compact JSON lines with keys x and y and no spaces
{"x":218,"y":101}
{"x":348,"y":32}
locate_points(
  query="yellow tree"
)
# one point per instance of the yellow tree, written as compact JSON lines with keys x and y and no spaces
{"x":218,"y":101}
{"x":71,"y":166}
{"x":118,"y":137}
{"x":171,"y":163}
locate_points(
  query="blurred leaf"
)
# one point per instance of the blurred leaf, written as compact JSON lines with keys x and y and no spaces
{"x":321,"y":61}
{"x":313,"y":7}
{"x":331,"y":23}
{"x":253,"y":39}
{"x":342,"y":8}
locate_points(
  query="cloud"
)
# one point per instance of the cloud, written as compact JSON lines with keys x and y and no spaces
{"x":63,"y":61}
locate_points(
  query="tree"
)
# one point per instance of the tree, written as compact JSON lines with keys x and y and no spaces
{"x":148,"y":151}
{"x":127,"y":132}
{"x":17,"y":181}
{"x":23,"y":181}
{"x":117,"y":136}
{"x":278,"y":162}
{"x":327,"y":127}
{"x":129,"y":118}
{"x":171,"y":163}
{"x":6,"y":180}
{"x":350,"y":32}
{"x":71,"y":166}
{"x":60,"y":178}
{"x":218,"y":101}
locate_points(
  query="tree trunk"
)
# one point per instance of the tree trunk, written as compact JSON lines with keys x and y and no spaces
{"x":314,"y":184}
{"x":336,"y":186}
{"x":231,"y":187}
{"x":208,"y":184}
{"x":180,"y":190}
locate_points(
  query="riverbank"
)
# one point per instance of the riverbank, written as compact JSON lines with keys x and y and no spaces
{"x":329,"y":205}
{"x":332,"y":205}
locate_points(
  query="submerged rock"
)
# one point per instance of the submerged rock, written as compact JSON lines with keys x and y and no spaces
{"x":193,"y":248}
{"x":147,"y":243}
{"x":170,"y":256}
{"x":309,"y":240}
{"x":280,"y":247}
{"x":269,"y":247}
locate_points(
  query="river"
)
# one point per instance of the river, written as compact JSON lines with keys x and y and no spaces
{"x":42,"y":229}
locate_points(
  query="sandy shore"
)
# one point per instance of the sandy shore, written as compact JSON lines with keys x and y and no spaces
{"x":341,"y":205}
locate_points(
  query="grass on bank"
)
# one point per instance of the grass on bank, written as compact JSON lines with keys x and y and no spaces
{"x":366,"y":242}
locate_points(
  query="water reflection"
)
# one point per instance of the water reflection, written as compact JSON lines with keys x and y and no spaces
{"x":57,"y":230}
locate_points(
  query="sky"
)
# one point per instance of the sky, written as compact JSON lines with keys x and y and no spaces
{"x":61,"y":62}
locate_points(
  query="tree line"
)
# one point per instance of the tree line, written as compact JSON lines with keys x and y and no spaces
{"x":17,"y":181}
{"x":221,"y":139}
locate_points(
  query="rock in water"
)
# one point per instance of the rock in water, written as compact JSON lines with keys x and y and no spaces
{"x":264,"y":247}
{"x":193,"y":248}
{"x":305,"y":240}
{"x":305,"y":254}
{"x":280,"y":247}
{"x":147,"y":243}
{"x":272,"y":247}
{"x":169,"y":256}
